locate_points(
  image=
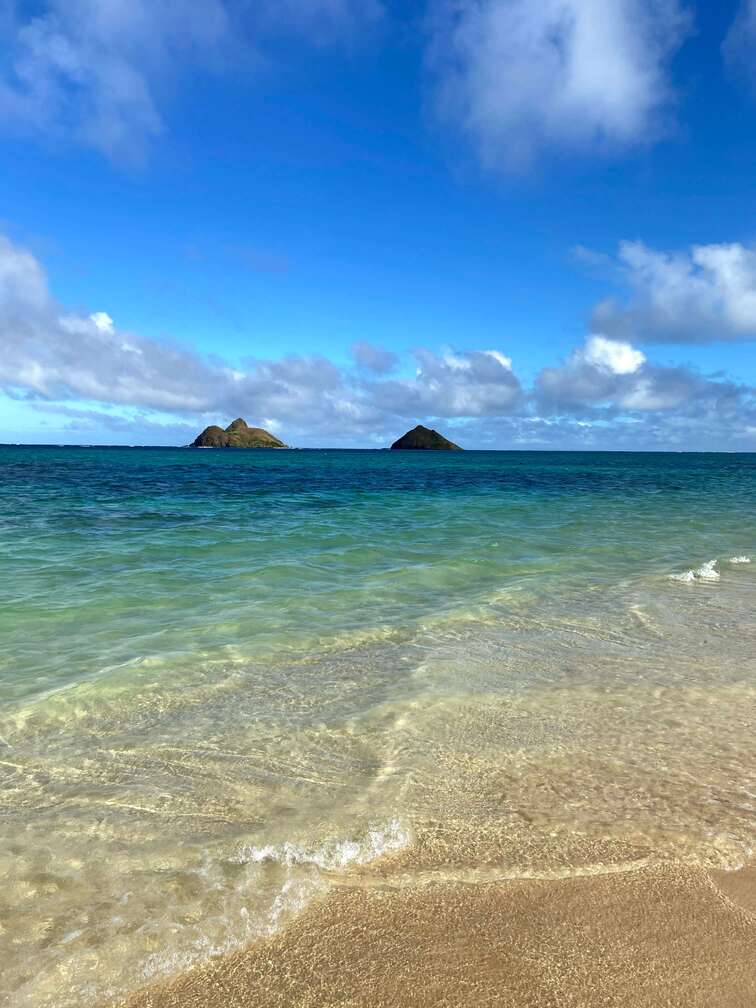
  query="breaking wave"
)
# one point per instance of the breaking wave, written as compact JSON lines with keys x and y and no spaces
{"x":333,"y":855}
{"x":706,"y":572}
{"x":301,"y":883}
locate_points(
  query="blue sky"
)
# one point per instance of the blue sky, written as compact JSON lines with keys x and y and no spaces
{"x":528,"y":225}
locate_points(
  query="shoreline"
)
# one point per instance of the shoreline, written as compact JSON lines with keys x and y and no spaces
{"x":330,"y":709}
{"x":668,"y":935}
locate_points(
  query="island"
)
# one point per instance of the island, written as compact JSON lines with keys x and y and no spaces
{"x":424,"y":439}
{"x":237,"y":435}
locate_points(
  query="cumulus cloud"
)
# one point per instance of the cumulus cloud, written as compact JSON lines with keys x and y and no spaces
{"x":96,"y":70}
{"x":593,"y":374}
{"x":373,"y":358}
{"x":700,"y":295}
{"x":577,"y":74}
{"x":96,"y":377}
{"x":473,"y":384}
{"x":50,"y":354}
{"x":608,"y":381}
{"x":614,"y":356}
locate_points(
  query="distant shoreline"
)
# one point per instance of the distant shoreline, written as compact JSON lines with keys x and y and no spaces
{"x":339,"y":448}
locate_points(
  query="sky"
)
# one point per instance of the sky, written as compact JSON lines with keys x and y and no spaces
{"x":531,"y":226}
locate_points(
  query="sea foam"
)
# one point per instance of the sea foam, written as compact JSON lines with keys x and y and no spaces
{"x":302,"y":883}
{"x":739,"y":560}
{"x":333,"y":854}
{"x":706,"y":572}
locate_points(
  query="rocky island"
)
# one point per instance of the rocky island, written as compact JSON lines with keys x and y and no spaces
{"x":237,"y":435}
{"x":424,"y":439}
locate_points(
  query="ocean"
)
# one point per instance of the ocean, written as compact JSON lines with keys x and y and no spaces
{"x":231,"y":680}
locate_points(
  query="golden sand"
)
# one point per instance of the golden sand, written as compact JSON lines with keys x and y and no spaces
{"x":646,"y":938}
{"x":555,"y":876}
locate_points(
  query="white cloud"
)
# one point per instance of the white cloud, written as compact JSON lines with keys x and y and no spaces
{"x":95,"y":377}
{"x":520,"y":76}
{"x":610,"y":381}
{"x":373,"y":358}
{"x":655,"y":392}
{"x":103,"y":321}
{"x":92,"y":68}
{"x":48,"y":352}
{"x":452,"y":361}
{"x":614,"y":356}
{"x":705,"y":294}
{"x":472,"y":384}
{"x":506,"y":362}
{"x":601,"y":371}
{"x":51,"y":354}
{"x":96,"y":71}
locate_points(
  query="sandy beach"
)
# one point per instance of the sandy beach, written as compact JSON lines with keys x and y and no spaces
{"x":378,"y":504}
{"x":524,"y":776}
{"x":646,"y":938}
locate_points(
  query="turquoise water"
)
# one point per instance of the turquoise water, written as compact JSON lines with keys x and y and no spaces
{"x":226,"y":675}
{"x":112,"y":555}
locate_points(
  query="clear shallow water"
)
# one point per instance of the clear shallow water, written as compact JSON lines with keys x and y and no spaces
{"x":226,"y":677}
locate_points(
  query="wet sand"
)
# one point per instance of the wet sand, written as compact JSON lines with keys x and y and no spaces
{"x":647,"y":937}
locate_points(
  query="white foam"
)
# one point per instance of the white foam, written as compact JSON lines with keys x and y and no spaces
{"x":292,"y":898}
{"x":739,"y":560}
{"x":333,"y":854}
{"x":241,"y":928}
{"x":687,"y":578}
{"x":706,"y":572}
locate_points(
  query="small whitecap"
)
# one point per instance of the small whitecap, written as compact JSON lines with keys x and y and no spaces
{"x":706,"y":572}
{"x":739,"y":560}
{"x":687,"y":578}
